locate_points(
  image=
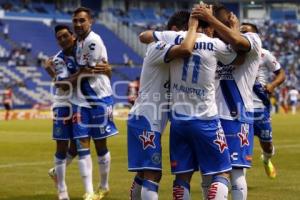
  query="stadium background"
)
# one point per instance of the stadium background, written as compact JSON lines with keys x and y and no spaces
{"x":27,"y":39}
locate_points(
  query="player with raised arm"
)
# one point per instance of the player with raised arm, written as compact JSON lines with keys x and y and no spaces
{"x":262,"y":105}
{"x":234,"y":93}
{"x":95,"y":122}
{"x":149,"y":115}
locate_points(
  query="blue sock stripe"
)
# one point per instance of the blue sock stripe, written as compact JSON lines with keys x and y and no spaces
{"x":221,"y":179}
{"x":102,"y":152}
{"x":138,"y":180}
{"x":181,"y":183}
{"x":83,"y":152}
{"x":150,"y":185}
{"x":60,"y":156}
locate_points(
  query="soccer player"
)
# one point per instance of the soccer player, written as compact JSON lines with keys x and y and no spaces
{"x":7,"y":101}
{"x":293,"y":97}
{"x":148,"y":116}
{"x":96,"y":122}
{"x":262,"y":105}
{"x":234,"y":93}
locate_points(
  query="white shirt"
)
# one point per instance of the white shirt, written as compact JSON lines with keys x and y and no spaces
{"x":293,"y":94}
{"x":235,"y":83}
{"x":267,"y":65}
{"x":90,"y":52}
{"x":152,"y":101}
{"x":193,"y":78}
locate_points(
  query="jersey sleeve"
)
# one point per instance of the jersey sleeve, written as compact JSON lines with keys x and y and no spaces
{"x":96,"y":51}
{"x":224,"y":53}
{"x":61,"y":69}
{"x":170,"y":37}
{"x":255,"y":42}
{"x":271,"y":62}
{"x":157,"y":52}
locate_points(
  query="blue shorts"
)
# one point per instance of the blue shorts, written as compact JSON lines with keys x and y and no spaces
{"x":144,"y":149}
{"x":239,"y":136}
{"x":96,"y":122}
{"x":198,"y":144}
{"x":262,"y":125}
{"x":62,"y":123}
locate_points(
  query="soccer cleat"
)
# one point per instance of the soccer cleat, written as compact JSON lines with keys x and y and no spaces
{"x":101,"y":192}
{"x":53,"y":175}
{"x":63,"y":195}
{"x":269,"y":168}
{"x":90,"y":196}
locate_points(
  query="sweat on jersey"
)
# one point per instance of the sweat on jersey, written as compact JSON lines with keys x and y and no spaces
{"x":267,"y":65}
{"x":235,"y":84}
{"x":193,"y":78}
{"x":151,"y":107}
{"x":91,"y":51}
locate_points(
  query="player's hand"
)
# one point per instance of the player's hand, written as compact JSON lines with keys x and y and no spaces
{"x":234,"y":22}
{"x":269,"y":88}
{"x":102,"y":68}
{"x":202,"y":11}
{"x":48,"y":63}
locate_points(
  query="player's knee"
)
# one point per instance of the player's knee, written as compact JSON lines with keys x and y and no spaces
{"x":100,"y":145}
{"x":267,"y":147}
{"x":238,"y":179}
{"x":186,"y":177}
{"x":153,"y":175}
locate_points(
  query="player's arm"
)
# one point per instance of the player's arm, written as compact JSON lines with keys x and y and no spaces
{"x":49,"y":67}
{"x":278,"y":80}
{"x":230,"y":35}
{"x":185,"y":49}
{"x":147,"y":37}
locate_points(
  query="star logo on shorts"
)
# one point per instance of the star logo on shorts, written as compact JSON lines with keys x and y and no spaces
{"x":243,"y":135}
{"x":148,"y":139}
{"x":221,"y":140}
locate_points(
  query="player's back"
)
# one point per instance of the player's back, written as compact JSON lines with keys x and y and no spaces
{"x":193,"y":78}
{"x":152,"y":101}
{"x":91,"y":51}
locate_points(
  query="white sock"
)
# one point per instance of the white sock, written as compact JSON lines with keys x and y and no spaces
{"x":218,"y":189}
{"x":60,"y":170}
{"x":86,"y":170}
{"x":136,"y":189}
{"x":181,"y":190}
{"x":293,"y":110}
{"x":239,"y":184}
{"x":206,"y":182}
{"x":69,"y":159}
{"x":149,"y":190}
{"x":268,"y":156}
{"x":104,"y":168}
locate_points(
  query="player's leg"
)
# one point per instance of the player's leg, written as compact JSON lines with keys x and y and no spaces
{"x":263,"y":129}
{"x":102,"y":127}
{"x":81,"y":134}
{"x":239,"y":138}
{"x":144,"y":157}
{"x":7,"y":111}
{"x":181,"y":186}
{"x":150,"y":184}
{"x":72,"y":152}
{"x":210,"y":140}
{"x":136,"y":186}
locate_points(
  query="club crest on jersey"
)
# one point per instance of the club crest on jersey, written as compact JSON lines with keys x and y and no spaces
{"x":221,"y":140}
{"x":147,"y":139}
{"x":160,"y":45}
{"x":243,"y":135}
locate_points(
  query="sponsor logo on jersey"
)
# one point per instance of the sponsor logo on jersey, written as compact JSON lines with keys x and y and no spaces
{"x":243,"y":135}
{"x":147,"y":139}
{"x":92,"y":46}
{"x":156,"y":158}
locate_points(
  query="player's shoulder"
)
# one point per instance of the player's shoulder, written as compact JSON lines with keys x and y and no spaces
{"x":252,"y":37}
{"x":93,"y":37}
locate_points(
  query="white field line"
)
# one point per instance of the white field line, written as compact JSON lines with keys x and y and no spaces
{"x":24,"y":164}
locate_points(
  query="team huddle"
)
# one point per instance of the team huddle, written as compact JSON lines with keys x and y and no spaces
{"x":202,"y":75}
{"x":205,"y":74}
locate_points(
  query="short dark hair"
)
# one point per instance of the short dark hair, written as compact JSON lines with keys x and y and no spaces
{"x":180,"y":19}
{"x":83,"y":9}
{"x":253,"y":26}
{"x":217,"y":8}
{"x":61,"y":27}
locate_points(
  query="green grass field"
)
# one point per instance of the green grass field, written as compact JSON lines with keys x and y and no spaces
{"x":26,"y":154}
